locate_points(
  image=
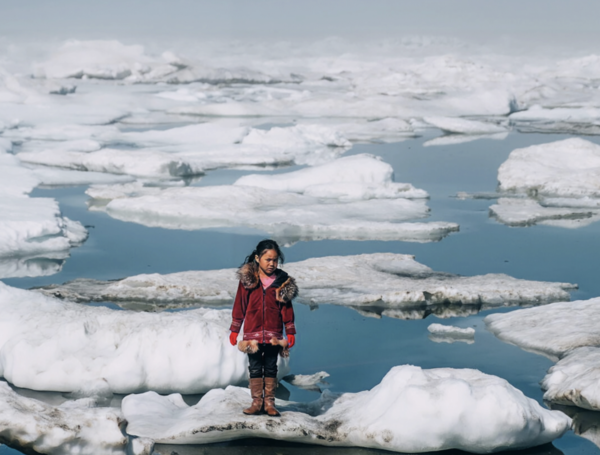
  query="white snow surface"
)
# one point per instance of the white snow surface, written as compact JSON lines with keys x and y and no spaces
{"x":552,"y":329}
{"x":289,"y":217}
{"x":573,"y":381}
{"x":464,"y":126}
{"x":569,"y":168}
{"x":381,"y":279}
{"x":30,"y":226}
{"x":354,"y":177}
{"x":32,"y":425}
{"x":53,"y":345}
{"x":411,"y":410}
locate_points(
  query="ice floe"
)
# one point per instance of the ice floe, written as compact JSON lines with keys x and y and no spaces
{"x":440,"y":333}
{"x":308,"y":381}
{"x":30,"y":227}
{"x":566,"y":333}
{"x":360,"y":202}
{"x":569,"y":168}
{"x":464,"y":126}
{"x":354,"y":177}
{"x":53,"y":345}
{"x":551,"y":330}
{"x":382,"y":280}
{"x":411,"y":410}
{"x":36,"y":427}
{"x":574,"y":120}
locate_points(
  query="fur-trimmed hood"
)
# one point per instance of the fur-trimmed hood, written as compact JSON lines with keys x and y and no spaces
{"x":286,"y":286}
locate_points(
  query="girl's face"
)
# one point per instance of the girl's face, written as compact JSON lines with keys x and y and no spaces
{"x":267,"y":263}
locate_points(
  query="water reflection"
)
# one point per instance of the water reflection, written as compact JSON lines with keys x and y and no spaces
{"x":585,"y":423}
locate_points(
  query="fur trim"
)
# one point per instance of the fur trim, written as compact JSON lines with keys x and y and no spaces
{"x":288,"y":290}
{"x":283,"y":349}
{"x":248,"y":275}
{"x":248,"y":346}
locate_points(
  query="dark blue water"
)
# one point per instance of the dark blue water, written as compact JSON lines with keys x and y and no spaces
{"x":356,"y":350}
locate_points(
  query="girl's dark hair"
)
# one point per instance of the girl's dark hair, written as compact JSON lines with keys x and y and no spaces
{"x":260,"y":249}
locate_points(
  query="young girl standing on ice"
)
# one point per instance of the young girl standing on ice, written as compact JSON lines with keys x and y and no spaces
{"x":263,"y":303}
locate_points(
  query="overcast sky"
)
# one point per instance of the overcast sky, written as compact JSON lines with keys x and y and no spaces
{"x":292,"y":19}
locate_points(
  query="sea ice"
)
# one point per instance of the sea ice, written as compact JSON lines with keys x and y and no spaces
{"x":440,"y":333}
{"x":411,"y":410}
{"x":384,"y":280}
{"x":565,"y":332}
{"x":30,"y":227}
{"x":551,"y":330}
{"x":574,"y":380}
{"x":569,"y":168}
{"x":307,"y":381}
{"x":53,"y":345}
{"x":574,"y":120}
{"x":349,"y":178}
{"x":464,"y":126}
{"x":36,"y":427}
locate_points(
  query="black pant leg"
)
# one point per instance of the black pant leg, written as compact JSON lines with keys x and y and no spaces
{"x":270,"y":360}
{"x":255,"y":364}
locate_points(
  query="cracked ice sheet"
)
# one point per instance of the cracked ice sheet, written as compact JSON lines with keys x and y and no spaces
{"x":30,"y":227}
{"x":382,"y":280}
{"x":361,"y":204}
{"x":180,"y":151}
{"x":411,"y":410}
{"x":31,"y":425}
{"x":52,"y":345}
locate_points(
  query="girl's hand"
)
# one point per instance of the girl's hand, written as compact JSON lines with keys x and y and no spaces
{"x":233,"y":338}
{"x":291,"y":341}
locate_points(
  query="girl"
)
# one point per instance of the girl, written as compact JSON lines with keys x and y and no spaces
{"x":263,"y":303}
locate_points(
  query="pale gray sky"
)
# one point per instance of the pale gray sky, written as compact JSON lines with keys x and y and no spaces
{"x":554,"y":20}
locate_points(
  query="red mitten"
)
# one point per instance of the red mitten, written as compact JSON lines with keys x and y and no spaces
{"x":291,"y":341}
{"x":233,"y":338}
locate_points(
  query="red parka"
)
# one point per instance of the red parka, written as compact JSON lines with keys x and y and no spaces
{"x":264,"y":312}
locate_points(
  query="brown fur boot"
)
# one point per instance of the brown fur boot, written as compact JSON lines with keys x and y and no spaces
{"x":270,"y":386}
{"x":256,"y":390}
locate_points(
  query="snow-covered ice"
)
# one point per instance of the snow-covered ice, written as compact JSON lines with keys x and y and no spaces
{"x":351,"y":198}
{"x":574,"y":120}
{"x":350,"y":178}
{"x":383,"y":280}
{"x":575,"y":379}
{"x":464,"y":126}
{"x":30,"y":227}
{"x":311,"y":382}
{"x":551,"y":330}
{"x":569,"y":168}
{"x":36,"y":427}
{"x":53,"y":345}
{"x":566,"y":332}
{"x":411,"y":410}
{"x":440,"y":333}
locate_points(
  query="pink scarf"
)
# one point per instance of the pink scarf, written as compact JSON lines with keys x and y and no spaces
{"x":267,"y":280}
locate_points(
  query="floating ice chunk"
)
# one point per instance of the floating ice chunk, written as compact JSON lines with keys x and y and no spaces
{"x":527,"y":212}
{"x":307,"y":381}
{"x":573,"y":381}
{"x":383,"y":280}
{"x":447,"y":408}
{"x":559,"y":115}
{"x":288,"y":216}
{"x":79,"y":138}
{"x":567,"y":168}
{"x":449,"y":334}
{"x":464,"y":126}
{"x":75,"y":145}
{"x":551,"y":330}
{"x":130,"y":162}
{"x":454,"y":139}
{"x":350,"y":178}
{"x":36,"y":427}
{"x":385,"y":130}
{"x":52,"y":345}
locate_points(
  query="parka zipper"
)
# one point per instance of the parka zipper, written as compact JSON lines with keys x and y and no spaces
{"x":263,"y":305}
